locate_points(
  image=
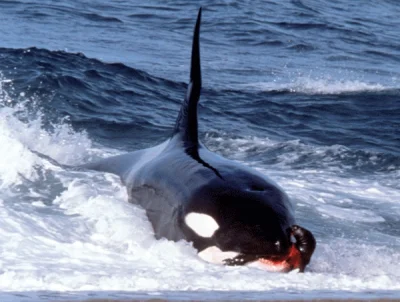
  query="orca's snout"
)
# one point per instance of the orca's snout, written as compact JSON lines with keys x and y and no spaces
{"x":289,"y":257}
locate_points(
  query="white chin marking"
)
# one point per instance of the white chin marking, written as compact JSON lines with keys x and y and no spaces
{"x":214,"y":255}
{"x":202,"y":224}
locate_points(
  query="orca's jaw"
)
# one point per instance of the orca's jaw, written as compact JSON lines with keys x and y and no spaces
{"x":297,"y":257}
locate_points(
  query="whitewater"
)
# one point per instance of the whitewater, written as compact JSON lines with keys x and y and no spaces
{"x":64,"y":230}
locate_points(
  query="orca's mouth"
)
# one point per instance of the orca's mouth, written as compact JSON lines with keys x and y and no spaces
{"x":282,"y":263}
{"x":298,"y":256}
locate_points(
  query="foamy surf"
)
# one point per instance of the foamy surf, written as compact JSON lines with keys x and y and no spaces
{"x":78,"y":233}
{"x":309,"y":85}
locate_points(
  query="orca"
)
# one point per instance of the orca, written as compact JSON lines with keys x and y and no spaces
{"x":232,"y":214}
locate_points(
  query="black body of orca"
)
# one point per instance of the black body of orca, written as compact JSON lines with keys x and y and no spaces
{"x":233,"y":214}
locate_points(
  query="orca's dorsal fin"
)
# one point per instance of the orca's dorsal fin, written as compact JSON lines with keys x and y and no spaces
{"x":186,"y":123}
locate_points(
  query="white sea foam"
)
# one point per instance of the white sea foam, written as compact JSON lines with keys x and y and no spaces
{"x":350,"y":214}
{"x":318,"y":86}
{"x":78,"y":233}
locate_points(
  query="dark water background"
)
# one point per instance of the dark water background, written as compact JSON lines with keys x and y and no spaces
{"x":307,"y":91}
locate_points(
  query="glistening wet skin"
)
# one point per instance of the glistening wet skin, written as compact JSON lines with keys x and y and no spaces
{"x":231,"y":213}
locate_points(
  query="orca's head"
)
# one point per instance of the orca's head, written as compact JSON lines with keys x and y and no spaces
{"x":238,"y":224}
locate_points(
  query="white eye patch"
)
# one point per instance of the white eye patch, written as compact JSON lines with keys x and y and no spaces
{"x":202,"y":224}
{"x":214,"y":255}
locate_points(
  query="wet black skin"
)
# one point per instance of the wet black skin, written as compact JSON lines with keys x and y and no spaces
{"x":253,"y":213}
{"x":181,"y":176}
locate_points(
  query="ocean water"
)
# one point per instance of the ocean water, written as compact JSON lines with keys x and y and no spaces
{"x":308,"y":92}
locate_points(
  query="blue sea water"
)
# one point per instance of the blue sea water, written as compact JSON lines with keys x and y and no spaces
{"x":308,"y":92}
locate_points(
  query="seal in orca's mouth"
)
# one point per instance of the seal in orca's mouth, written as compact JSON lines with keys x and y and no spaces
{"x":298,"y":256}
